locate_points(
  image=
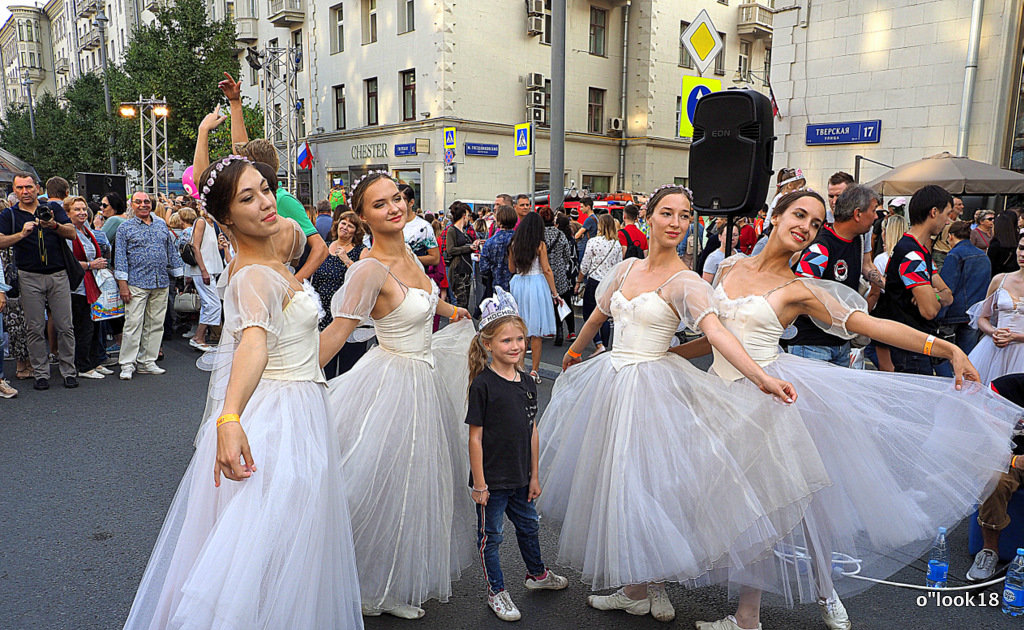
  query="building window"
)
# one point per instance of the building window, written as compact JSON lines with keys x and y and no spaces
{"x":545,"y":36}
{"x":547,"y":103}
{"x":598,"y":22}
{"x":725,"y":2}
{"x":744,"y":61}
{"x":369,"y":21}
{"x":597,"y":183}
{"x":679,"y":115}
{"x":300,"y":115}
{"x":720,"y":57}
{"x":371,"y":101}
{"x":408,"y":95}
{"x":229,"y":10}
{"x":595,"y":111}
{"x":767,"y":66}
{"x":338,"y":28}
{"x":406,"y":16}
{"x":254,"y":77}
{"x":297,"y":49}
{"x":339,"y":106}
{"x":681,"y":181}
{"x":684,"y":55}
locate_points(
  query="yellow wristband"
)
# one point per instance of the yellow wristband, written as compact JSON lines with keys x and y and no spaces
{"x":228,"y":417}
{"x":572,"y":354}
{"x":928,"y":345}
{"x":1013,"y":461}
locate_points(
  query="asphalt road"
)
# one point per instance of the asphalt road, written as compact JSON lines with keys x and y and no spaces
{"x":86,"y":476}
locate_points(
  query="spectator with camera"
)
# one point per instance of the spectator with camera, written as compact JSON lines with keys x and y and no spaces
{"x":37,"y":234}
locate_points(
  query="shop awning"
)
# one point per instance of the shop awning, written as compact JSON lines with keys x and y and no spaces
{"x":10,"y":164}
{"x":958,"y":175}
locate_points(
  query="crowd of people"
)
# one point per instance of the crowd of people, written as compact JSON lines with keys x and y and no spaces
{"x":368,"y":358}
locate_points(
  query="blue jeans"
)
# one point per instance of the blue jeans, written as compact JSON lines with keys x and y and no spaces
{"x":490,"y":521}
{"x":836,"y":355}
{"x":965,"y":339}
{"x":911,"y":362}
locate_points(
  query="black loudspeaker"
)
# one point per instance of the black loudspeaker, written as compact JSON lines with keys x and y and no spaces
{"x":93,"y":186}
{"x":731,"y":154}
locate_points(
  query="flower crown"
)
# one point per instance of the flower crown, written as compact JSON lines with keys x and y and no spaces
{"x":220,"y":166}
{"x":356,"y":183}
{"x":494,"y":308}
{"x":798,"y":174}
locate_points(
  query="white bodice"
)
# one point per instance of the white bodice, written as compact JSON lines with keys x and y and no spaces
{"x":1008,"y":313}
{"x":407,"y":329}
{"x":644,"y":328}
{"x":296,"y":355}
{"x":535,"y":269}
{"x":753,"y":321}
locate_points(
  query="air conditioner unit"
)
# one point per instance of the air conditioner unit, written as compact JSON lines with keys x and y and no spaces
{"x":535,"y":26}
{"x":535,"y":7}
{"x":535,"y":115}
{"x":535,"y":81}
{"x":616,"y":124}
{"x":535,"y":98}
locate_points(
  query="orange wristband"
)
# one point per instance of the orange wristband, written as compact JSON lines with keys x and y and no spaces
{"x":928,"y":345}
{"x":228,"y":417}
{"x":572,"y":354}
{"x":1013,"y":461}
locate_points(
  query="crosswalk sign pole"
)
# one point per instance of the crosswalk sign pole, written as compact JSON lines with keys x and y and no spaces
{"x":533,"y":173}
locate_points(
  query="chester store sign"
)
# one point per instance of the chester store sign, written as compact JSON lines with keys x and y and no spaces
{"x":360,"y":151}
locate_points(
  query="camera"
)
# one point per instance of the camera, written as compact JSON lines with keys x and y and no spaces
{"x":44,"y":213}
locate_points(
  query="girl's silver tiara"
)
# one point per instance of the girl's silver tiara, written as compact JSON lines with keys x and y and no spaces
{"x":494,"y":308}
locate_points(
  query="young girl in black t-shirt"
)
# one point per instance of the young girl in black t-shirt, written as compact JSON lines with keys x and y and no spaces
{"x":503,"y":449}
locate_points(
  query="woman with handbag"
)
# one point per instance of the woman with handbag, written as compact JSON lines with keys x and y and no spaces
{"x":89,"y":351}
{"x":602,"y":254}
{"x":204,"y":269}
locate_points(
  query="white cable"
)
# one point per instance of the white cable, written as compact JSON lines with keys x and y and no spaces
{"x":928,"y":588}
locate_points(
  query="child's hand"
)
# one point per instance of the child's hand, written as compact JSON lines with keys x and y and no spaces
{"x":481,"y":496}
{"x":534,"y":490}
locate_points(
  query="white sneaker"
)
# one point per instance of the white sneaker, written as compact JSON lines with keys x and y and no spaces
{"x":126,"y":372}
{"x":984,"y":566}
{"x":94,"y":374}
{"x":548,"y":582}
{"x":502,"y":605}
{"x":619,"y":601}
{"x":150,"y":368}
{"x":834,"y":613}
{"x":661,"y":607}
{"x":6,"y":391}
{"x":729,"y":623}
{"x":406,"y":611}
{"x":105,"y":371}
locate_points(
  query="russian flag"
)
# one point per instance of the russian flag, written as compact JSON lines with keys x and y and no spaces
{"x":305,"y":158}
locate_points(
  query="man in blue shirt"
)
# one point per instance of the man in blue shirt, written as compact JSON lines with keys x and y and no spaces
{"x":144,"y":259}
{"x":324,"y":220}
{"x":967,"y":272}
{"x":494,"y":254}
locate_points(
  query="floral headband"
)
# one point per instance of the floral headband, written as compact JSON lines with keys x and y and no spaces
{"x":220,"y":166}
{"x":686,"y":191}
{"x":356,"y":183}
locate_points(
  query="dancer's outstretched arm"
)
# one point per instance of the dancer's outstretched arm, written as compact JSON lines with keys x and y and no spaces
{"x":250,"y":359}
{"x":334,"y":336}
{"x":731,"y":348}
{"x":593,"y":324}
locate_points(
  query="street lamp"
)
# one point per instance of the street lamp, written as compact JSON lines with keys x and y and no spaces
{"x":101,"y":21}
{"x":27,"y":82}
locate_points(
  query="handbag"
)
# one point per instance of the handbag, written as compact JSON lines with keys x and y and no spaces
{"x":187,"y":302}
{"x":72,"y":266}
{"x":187,"y":251}
{"x":109,"y":304}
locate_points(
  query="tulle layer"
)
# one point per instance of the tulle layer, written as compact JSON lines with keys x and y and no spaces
{"x":273,"y":551}
{"x":533,"y":296}
{"x":660,"y":472}
{"x":403,"y":440}
{"x":993,"y":362}
{"x":906,"y":455}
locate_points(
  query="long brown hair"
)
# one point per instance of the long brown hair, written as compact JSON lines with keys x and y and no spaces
{"x":477,"y":350}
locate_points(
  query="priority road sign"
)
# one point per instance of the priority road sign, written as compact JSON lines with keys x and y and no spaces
{"x":693,"y":89}
{"x":702,"y":41}
{"x":449,"y":137}
{"x":524,"y":139}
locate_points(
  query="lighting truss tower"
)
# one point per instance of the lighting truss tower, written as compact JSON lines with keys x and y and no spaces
{"x":155,"y":169}
{"x":278,"y":97}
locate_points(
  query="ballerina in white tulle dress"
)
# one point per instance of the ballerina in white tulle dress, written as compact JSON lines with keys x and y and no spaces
{"x":271,"y":546}
{"x":658,"y":471}
{"x":1000,"y":318}
{"x":398,"y":414}
{"x":905,"y":453}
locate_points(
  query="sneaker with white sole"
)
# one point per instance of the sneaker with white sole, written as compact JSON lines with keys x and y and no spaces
{"x":547,"y":582}
{"x":127,"y":370}
{"x":503,"y":606}
{"x":833,"y":613}
{"x":619,"y":601}
{"x":661,"y":607}
{"x":729,"y":623}
{"x":6,"y":391}
{"x":984,"y":566}
{"x":150,"y":368}
{"x":93,"y":374}
{"x":104,"y":370}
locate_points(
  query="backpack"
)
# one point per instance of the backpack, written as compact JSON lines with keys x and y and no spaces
{"x":632,"y":248}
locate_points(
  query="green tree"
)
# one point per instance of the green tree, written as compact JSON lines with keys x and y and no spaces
{"x":49,"y":151}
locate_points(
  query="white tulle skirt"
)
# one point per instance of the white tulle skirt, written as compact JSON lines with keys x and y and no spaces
{"x":401,"y":428}
{"x":273,"y":551}
{"x":993,"y":362}
{"x":906,"y":454}
{"x":661,"y":472}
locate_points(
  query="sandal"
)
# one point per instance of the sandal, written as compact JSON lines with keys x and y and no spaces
{"x":535,"y":377}
{"x":24,"y":375}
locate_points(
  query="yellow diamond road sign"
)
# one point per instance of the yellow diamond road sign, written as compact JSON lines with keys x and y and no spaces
{"x":702,"y":41}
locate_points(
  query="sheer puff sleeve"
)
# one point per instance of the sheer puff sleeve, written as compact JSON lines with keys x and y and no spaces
{"x":610,"y":284}
{"x":256,"y":296}
{"x":840,"y":301}
{"x":357,"y":296}
{"x":691,"y":297}
{"x":294,"y":243}
{"x":985,"y":308}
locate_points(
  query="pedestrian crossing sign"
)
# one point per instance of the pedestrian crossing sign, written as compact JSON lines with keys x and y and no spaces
{"x":702,"y":41}
{"x":693,"y":89}
{"x":449,"y":137}
{"x":524,"y":139}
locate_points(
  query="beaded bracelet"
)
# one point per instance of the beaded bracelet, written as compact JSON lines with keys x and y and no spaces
{"x":228,"y":417}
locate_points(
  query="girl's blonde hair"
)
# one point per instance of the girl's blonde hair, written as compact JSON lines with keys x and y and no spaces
{"x":893,"y":229}
{"x":477,"y":350}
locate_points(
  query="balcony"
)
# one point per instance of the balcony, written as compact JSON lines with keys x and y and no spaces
{"x":86,"y":8}
{"x":61,"y":65}
{"x":287,"y":13}
{"x":153,"y":5}
{"x":91,"y":39}
{"x":35,"y":75}
{"x":755,"y":20}
{"x":246,"y":29}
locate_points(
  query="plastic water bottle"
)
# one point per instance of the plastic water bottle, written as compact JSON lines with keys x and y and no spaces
{"x":1013,"y":587}
{"x":938,"y":561}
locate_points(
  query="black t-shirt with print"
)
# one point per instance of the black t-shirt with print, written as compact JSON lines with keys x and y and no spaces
{"x":506,"y":411}
{"x":829,"y":257}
